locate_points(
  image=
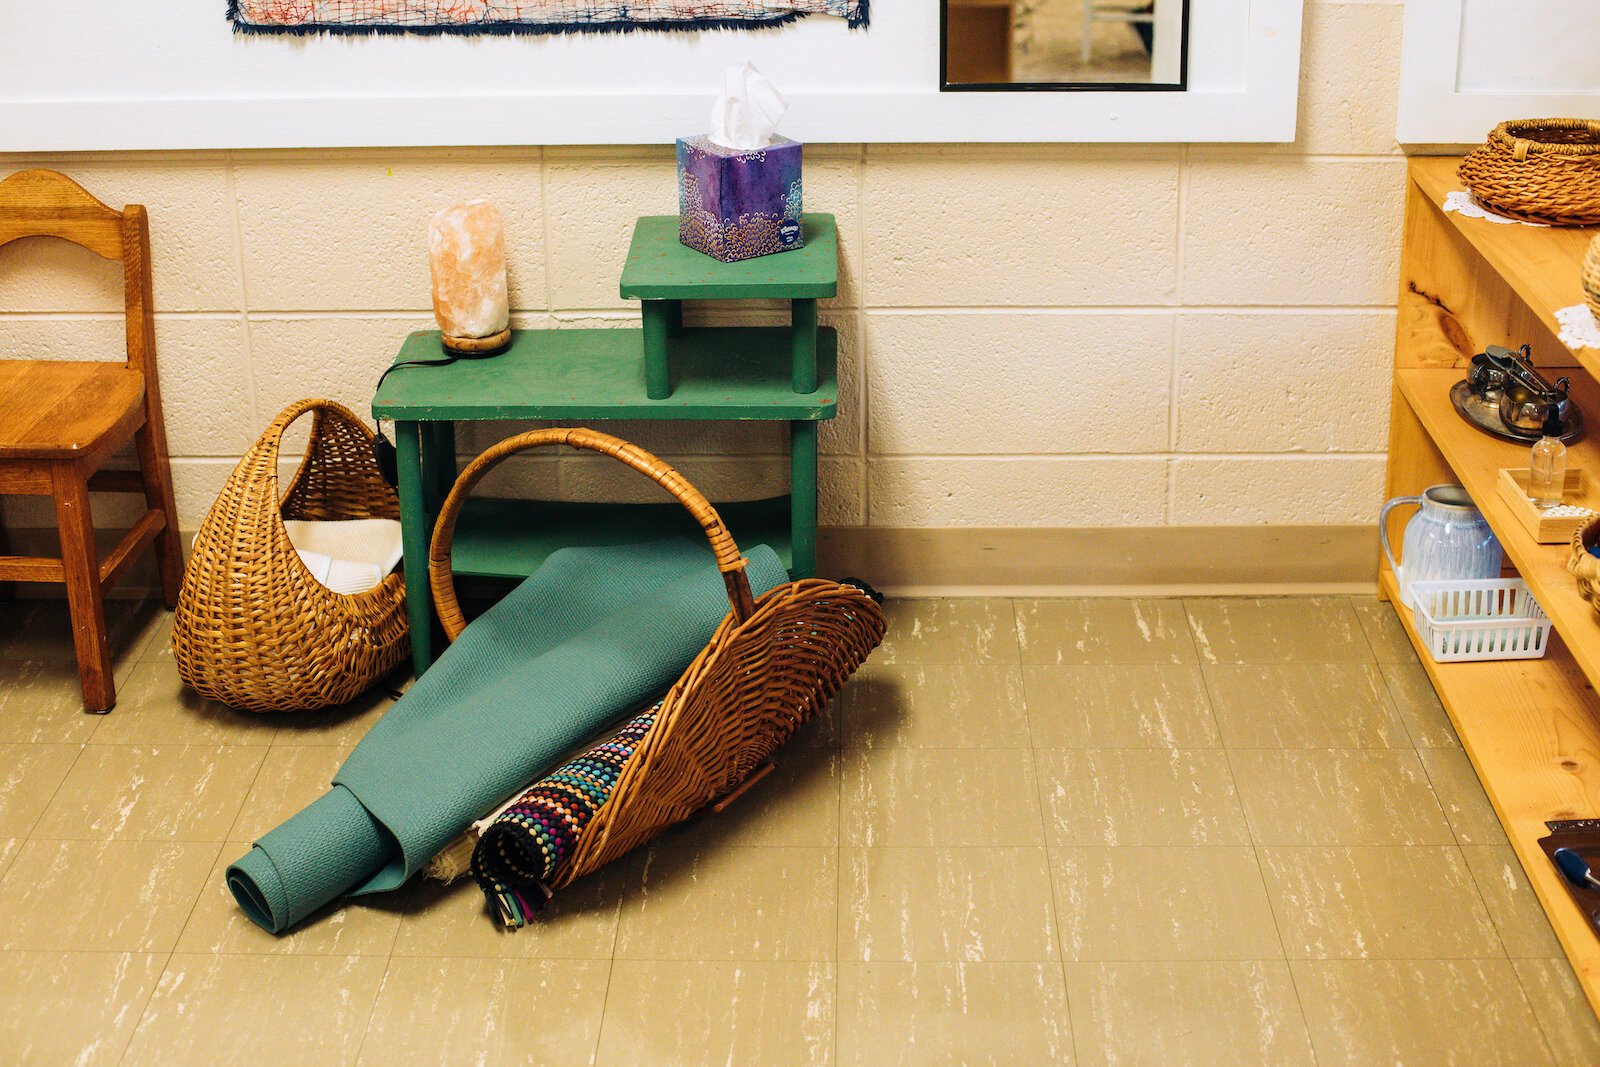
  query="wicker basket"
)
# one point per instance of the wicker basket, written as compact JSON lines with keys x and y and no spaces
{"x":253,"y":628}
{"x":770,"y":664}
{"x":1584,"y":567}
{"x":1591,"y":278}
{"x":1539,"y":170}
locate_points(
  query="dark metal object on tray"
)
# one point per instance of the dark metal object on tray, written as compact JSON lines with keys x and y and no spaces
{"x":1573,"y":846}
{"x":1505,"y":396}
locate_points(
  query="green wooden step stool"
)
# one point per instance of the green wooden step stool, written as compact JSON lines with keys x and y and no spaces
{"x":582,"y":376}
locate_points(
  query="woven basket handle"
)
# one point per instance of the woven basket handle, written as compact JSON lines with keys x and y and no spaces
{"x":442,"y":578}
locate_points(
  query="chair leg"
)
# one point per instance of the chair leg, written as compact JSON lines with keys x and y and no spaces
{"x":157,"y":473}
{"x":8,"y":590}
{"x":81,"y":563}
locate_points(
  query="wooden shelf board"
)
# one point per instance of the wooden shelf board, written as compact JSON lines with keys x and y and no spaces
{"x":1542,"y":265}
{"x":1476,"y":459}
{"x":1532,"y":731}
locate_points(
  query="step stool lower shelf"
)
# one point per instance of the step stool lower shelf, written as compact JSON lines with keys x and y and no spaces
{"x":499,"y":538}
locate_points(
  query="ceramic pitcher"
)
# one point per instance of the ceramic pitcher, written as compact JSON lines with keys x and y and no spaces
{"x":1446,"y":539}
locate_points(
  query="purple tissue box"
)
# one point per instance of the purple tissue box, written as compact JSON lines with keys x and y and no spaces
{"x":735,"y":204}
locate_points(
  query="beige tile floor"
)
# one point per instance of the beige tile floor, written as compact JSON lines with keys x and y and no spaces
{"x":1054,"y":831}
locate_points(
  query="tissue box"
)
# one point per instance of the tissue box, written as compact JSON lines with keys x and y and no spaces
{"x":735,"y":203}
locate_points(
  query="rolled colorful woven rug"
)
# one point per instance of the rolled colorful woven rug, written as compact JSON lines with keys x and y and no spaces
{"x":521,"y":850}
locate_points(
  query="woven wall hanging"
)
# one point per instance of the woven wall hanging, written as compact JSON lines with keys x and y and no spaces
{"x":524,"y":16}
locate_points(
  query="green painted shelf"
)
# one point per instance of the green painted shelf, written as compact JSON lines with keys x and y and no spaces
{"x":510,"y":538}
{"x":721,"y":373}
{"x":659,"y":267}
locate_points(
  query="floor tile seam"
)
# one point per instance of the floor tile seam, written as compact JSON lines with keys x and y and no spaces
{"x":1022,"y":687}
{"x":1433,"y":787}
{"x":1305,"y":1018}
{"x":790,"y":962}
{"x":1079,"y":1053}
{"x":298,"y":953}
{"x":155,"y":987}
{"x":143,"y":652}
{"x":1222,"y":748}
{"x":1392,"y":693}
{"x":166,"y":965}
{"x":1538,"y":1017}
{"x":605,"y":1009}
{"x":372,"y":1012}
{"x":157,"y":745}
{"x":797,"y":961}
{"x":1477,"y":886}
{"x":27,"y":836}
{"x":244,"y":796}
{"x":1049,"y":871}
{"x":121,"y":839}
{"x":852,"y":749}
{"x":1377,"y":653}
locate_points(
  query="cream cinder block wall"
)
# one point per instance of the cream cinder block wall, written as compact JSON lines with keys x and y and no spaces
{"x":1032,"y":336}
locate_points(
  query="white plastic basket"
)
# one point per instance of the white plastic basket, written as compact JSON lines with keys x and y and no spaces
{"x":1483,"y":619}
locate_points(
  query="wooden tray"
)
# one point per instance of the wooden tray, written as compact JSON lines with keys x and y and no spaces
{"x":1579,"y":490}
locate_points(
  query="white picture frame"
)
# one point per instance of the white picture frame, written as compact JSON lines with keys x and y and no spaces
{"x":121,"y":80}
{"x":1434,"y":106}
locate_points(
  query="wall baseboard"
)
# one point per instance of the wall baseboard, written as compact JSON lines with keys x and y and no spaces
{"x":1106,"y":561}
{"x":1030,"y":561}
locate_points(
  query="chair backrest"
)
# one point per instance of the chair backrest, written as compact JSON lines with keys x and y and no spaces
{"x":42,"y":203}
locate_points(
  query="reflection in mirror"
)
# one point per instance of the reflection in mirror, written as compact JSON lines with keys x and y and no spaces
{"x":1064,"y":44}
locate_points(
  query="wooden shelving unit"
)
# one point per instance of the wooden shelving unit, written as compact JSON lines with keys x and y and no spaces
{"x":1530,"y":727}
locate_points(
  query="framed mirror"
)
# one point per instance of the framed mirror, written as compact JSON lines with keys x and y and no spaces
{"x":1085,"y":45}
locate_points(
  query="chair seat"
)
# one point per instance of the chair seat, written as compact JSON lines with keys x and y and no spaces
{"x":56,"y":409}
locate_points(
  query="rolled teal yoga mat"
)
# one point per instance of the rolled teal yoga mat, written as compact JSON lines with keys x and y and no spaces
{"x":590,"y":637}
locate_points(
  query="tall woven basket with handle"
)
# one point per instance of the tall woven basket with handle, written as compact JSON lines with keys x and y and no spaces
{"x":253,"y":628}
{"x":769,"y":666}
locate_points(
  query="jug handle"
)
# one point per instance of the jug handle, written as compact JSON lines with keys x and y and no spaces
{"x":1383,"y":528}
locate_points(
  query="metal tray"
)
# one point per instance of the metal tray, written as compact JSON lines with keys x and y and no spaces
{"x":1486,"y":416}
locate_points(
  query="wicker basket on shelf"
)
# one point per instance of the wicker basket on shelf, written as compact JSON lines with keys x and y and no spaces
{"x":1591,"y":278}
{"x":1583,"y":566}
{"x":254,"y":629}
{"x":1539,"y":170}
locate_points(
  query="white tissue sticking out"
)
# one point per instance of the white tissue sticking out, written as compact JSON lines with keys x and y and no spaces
{"x":747,"y":110}
{"x":1579,"y":329}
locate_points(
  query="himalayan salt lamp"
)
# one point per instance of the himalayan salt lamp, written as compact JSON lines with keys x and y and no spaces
{"x":467,"y":253}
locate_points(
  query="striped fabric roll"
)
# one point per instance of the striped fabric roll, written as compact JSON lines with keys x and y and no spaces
{"x":521,"y":850}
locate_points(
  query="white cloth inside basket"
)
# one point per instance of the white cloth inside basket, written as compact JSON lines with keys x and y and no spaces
{"x":348,"y":556}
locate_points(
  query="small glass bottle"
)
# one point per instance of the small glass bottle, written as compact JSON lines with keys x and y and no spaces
{"x":1547,"y":464}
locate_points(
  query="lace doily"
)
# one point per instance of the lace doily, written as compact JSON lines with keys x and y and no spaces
{"x":1578,"y":328}
{"x":1469,"y":206}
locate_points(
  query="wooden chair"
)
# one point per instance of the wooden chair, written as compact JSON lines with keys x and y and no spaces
{"x":60,"y":420}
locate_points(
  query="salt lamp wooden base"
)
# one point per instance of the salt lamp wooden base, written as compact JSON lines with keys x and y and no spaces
{"x":494,"y":344}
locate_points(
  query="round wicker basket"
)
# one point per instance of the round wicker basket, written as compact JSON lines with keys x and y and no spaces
{"x":253,"y":628}
{"x":1584,"y":567}
{"x":1591,"y":278}
{"x":1539,"y":170}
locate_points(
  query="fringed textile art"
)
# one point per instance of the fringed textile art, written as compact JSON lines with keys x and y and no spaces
{"x":521,"y":849}
{"x":524,"y":16}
